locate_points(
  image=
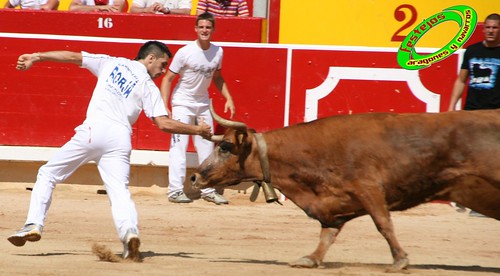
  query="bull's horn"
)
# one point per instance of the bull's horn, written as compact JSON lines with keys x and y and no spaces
{"x":227,"y":123}
{"x":217,"y":138}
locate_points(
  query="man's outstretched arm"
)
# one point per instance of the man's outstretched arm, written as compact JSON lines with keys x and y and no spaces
{"x":25,"y":61}
{"x":172,"y":126}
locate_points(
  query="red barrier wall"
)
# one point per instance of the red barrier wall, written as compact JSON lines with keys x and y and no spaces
{"x":41,"y":106}
{"x":125,"y":25}
{"x":272,"y":85}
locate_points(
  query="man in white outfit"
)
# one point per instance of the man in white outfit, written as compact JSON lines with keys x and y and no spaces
{"x":197,"y":63}
{"x":124,"y":88}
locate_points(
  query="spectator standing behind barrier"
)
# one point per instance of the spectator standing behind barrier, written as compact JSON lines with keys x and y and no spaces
{"x":197,"y":64}
{"x":124,"y":88}
{"x":481,"y":64}
{"x":32,"y":4}
{"x":97,"y":5}
{"x":161,"y":6}
{"x":223,"y":7}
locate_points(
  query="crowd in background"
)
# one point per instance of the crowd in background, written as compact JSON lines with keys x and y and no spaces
{"x":167,"y":7}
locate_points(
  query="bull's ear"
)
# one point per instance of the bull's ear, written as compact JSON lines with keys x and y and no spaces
{"x":242,"y":137}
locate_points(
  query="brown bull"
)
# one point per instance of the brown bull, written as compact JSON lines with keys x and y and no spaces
{"x":343,"y":167}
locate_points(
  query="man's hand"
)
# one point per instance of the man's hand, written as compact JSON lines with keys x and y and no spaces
{"x":230,"y":105}
{"x":107,"y":8}
{"x":24,"y":62}
{"x":204,"y":129}
{"x":156,"y":7}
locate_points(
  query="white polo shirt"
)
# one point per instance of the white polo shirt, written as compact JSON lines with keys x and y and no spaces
{"x":124,"y":88}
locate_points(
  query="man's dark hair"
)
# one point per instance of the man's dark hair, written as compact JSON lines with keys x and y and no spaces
{"x":155,"y":48}
{"x":493,"y":16}
{"x":206,"y":16}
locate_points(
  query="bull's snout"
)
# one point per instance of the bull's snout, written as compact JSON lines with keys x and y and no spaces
{"x":194,"y":180}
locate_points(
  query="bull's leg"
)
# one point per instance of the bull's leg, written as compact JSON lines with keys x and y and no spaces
{"x":375,"y":205}
{"x":326,"y":238}
{"x":386,"y":228}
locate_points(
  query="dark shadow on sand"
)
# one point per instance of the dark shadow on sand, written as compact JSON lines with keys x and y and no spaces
{"x":336,"y":265}
{"x":328,"y":265}
{"x":471,"y":268}
{"x":186,"y":255}
{"x":48,"y":254}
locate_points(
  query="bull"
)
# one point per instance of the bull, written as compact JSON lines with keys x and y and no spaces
{"x":343,"y":167}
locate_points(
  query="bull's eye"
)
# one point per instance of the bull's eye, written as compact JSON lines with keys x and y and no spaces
{"x":225,"y":147}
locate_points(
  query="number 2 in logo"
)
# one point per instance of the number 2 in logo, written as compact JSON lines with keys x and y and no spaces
{"x":466,"y":18}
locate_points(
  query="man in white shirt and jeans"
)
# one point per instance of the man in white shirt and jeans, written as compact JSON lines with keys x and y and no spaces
{"x":124,"y":88}
{"x":197,"y":64}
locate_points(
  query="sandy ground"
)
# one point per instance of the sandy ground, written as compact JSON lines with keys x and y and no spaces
{"x":242,"y":238}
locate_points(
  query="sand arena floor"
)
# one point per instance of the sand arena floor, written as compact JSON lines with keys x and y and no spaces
{"x":242,"y":238}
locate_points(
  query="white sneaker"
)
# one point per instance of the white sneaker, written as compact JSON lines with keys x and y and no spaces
{"x":179,"y":197}
{"x":473,"y":213}
{"x":30,"y":232}
{"x":215,"y":198}
{"x":131,"y":246}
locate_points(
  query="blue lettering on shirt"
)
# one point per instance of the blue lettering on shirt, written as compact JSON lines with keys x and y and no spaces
{"x":120,"y":82}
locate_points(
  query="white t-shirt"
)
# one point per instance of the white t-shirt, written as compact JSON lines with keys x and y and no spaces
{"x":196,"y":68}
{"x":124,"y":88}
{"x":171,"y":4}
{"x":92,"y":2}
{"x":28,"y":4}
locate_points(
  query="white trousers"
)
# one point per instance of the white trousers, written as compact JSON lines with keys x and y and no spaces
{"x":109,"y":146}
{"x":179,"y":144}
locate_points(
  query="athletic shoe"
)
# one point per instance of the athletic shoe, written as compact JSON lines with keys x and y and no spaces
{"x":30,"y":232}
{"x":215,"y":198}
{"x":460,"y":208}
{"x":476,"y":214}
{"x":179,"y":197}
{"x":131,"y":245}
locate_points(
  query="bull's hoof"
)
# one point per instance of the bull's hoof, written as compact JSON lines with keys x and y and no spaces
{"x":399,"y":266}
{"x":304,"y":262}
